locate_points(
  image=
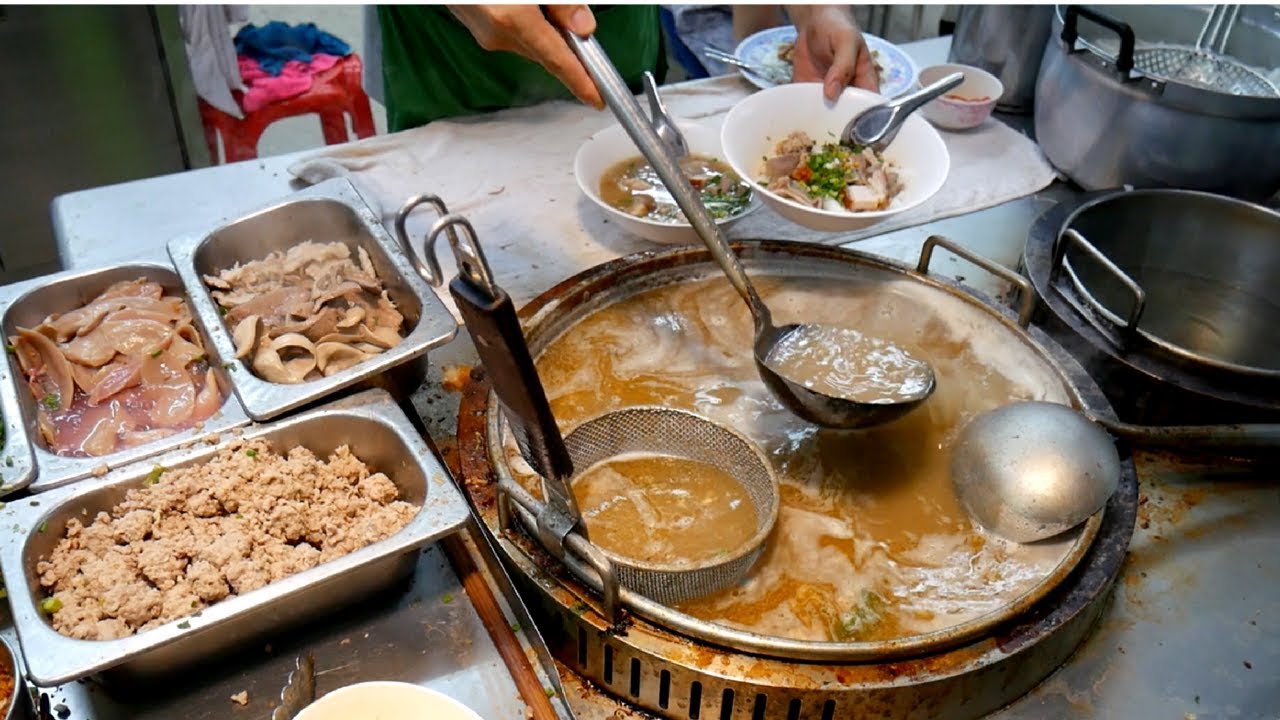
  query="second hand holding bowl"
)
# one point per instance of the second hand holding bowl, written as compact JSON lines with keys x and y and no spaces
{"x":821,"y":409}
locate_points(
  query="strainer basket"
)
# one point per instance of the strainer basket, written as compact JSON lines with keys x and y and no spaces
{"x":554,"y":519}
{"x":685,"y":435}
{"x":1207,"y":64}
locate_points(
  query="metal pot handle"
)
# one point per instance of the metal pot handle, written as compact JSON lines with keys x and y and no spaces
{"x":1026,"y":294}
{"x":1071,"y":237}
{"x":1070,"y":33}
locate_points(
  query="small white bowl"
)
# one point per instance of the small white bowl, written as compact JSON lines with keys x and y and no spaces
{"x":613,"y":145}
{"x":386,"y":701}
{"x":757,"y":123}
{"x":966,"y":106}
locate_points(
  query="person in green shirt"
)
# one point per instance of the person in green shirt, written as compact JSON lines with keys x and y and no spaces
{"x":445,"y":61}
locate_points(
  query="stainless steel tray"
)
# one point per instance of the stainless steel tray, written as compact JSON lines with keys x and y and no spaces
{"x":376,"y":430}
{"x":327,"y":212}
{"x":17,"y":463}
{"x":29,"y":302}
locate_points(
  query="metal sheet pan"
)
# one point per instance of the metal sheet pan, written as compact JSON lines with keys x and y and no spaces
{"x":327,"y":212}
{"x":27,"y":304}
{"x":376,"y":430}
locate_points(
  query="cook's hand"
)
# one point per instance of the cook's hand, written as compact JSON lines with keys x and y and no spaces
{"x":532,"y":33}
{"x":830,"y":48}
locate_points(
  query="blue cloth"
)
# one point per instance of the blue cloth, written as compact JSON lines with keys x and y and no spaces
{"x":692,"y":66}
{"x":276,"y":43}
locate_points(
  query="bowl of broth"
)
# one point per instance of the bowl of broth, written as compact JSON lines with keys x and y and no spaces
{"x":611,"y":172}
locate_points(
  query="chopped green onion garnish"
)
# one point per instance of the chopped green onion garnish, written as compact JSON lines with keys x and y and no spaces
{"x":50,"y":605}
{"x":156,"y":353}
{"x":51,"y":401}
{"x":153,"y":477}
{"x":446,"y":599}
{"x":251,"y":452}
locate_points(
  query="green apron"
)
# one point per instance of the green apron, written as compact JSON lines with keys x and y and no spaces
{"x":432,"y":67}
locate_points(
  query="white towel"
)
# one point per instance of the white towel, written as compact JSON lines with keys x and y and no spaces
{"x":211,"y":52}
{"x":511,"y":174}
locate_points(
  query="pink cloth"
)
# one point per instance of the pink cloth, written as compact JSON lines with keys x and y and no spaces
{"x":295,"y":79}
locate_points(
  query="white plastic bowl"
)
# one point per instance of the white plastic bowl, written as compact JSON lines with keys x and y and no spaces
{"x":613,"y":145}
{"x":756,"y":124}
{"x":386,"y":701}
{"x":980,"y":92}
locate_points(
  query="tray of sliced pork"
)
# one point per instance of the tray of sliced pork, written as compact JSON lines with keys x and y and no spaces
{"x":308,"y":296}
{"x":106,"y":367}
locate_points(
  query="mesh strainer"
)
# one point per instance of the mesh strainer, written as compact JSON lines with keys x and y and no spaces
{"x":556,"y":522}
{"x":666,"y":432}
{"x":1206,"y":64}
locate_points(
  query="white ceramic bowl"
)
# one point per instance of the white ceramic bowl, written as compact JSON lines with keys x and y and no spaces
{"x":386,"y":701}
{"x":756,"y":124}
{"x":969,"y":104}
{"x":613,"y":145}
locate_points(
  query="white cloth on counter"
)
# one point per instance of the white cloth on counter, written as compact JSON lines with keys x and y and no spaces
{"x":211,"y":52}
{"x":511,"y":174}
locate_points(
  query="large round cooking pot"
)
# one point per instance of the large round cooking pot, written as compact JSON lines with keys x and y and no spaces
{"x":1106,"y":125}
{"x":674,"y":665}
{"x":1180,"y":288}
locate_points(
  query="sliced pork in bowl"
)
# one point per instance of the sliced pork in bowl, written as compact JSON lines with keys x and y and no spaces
{"x":787,"y":140}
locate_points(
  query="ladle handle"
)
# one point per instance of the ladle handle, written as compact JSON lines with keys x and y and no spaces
{"x":623,"y":104}
{"x":1255,"y":437}
{"x":491,"y":320}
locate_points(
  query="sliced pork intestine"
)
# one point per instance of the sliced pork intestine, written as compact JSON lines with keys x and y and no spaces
{"x":323,"y":293}
{"x":245,"y":336}
{"x":334,"y":357}
{"x":273,"y":367}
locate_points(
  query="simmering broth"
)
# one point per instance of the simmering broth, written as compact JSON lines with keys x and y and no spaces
{"x":844,"y":363}
{"x":664,"y":510}
{"x":871,"y":542}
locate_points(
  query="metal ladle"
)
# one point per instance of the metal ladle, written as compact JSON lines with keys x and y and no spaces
{"x":815,"y":407}
{"x":1028,"y":471}
{"x":876,"y":127}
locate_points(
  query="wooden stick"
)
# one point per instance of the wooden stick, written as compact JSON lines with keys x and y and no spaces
{"x":504,"y":638}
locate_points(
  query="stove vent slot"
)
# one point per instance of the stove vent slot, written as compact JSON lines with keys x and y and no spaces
{"x":726,"y":704}
{"x":635,"y":677}
{"x":608,"y":664}
{"x":757,"y":712}
{"x":793,"y":710}
{"x":664,"y":689}
{"x":829,"y":710}
{"x":695,"y":700}
{"x":582,"y":647}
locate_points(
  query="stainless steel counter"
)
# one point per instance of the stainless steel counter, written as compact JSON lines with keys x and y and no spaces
{"x":1194,"y":627}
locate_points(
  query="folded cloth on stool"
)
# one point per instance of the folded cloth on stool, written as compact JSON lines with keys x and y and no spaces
{"x":276,"y":43}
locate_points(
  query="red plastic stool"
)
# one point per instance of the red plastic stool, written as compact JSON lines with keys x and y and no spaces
{"x":334,"y":94}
